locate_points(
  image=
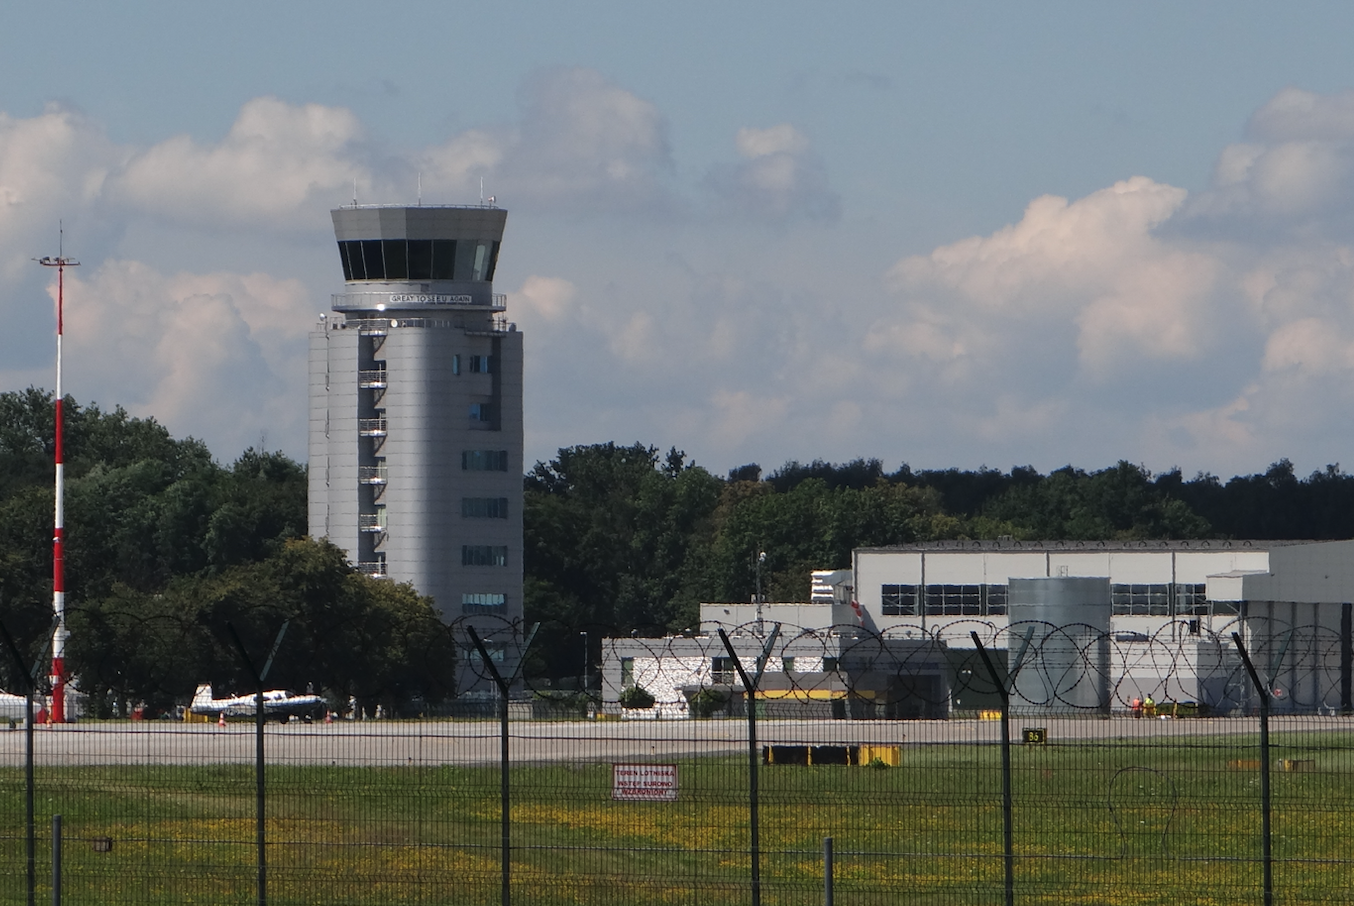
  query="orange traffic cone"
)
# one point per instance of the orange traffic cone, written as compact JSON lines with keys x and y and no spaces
{"x":221,"y":720}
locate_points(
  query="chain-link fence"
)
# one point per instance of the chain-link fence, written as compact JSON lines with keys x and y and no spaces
{"x":958,"y":764}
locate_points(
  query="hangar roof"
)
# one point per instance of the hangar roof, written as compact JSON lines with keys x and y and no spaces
{"x":1207,"y":544}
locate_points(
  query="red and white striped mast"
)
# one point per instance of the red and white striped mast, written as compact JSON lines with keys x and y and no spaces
{"x":60,"y":634}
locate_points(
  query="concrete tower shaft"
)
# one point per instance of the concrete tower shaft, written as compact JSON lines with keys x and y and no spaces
{"x":416,"y":409}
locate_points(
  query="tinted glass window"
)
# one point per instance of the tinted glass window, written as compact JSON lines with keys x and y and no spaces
{"x":444,"y":259}
{"x":481,"y":254}
{"x":484,"y":460}
{"x":482,"y":603}
{"x":397,"y":261}
{"x":465,"y":259}
{"x":493,"y":262}
{"x":373,"y":260}
{"x":484,"y":507}
{"x":420,"y":259}
{"x":343,"y":257}
{"x":484,"y":555}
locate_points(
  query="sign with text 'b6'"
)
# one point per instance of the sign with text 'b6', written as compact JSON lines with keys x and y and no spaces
{"x":644,"y":782}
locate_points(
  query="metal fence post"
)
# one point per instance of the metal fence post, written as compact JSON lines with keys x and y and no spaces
{"x":505,"y":800}
{"x":260,"y":803}
{"x":754,"y":757}
{"x":1007,"y":826}
{"x":827,"y":871}
{"x":1265,"y":848}
{"x":29,"y":676}
{"x":56,"y":860}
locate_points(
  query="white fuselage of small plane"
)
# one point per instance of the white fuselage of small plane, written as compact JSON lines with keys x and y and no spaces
{"x":12,"y":706}
{"x":276,"y":703}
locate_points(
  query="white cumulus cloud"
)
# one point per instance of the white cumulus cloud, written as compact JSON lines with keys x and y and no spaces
{"x":219,"y":356}
{"x":779,"y":178}
{"x":280,"y":162}
{"x":582,"y":143}
{"x":52,"y":166}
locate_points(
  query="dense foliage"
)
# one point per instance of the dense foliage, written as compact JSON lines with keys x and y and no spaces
{"x":165,"y":546}
{"x":623,"y":539}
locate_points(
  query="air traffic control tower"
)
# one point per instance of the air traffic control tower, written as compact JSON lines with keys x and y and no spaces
{"x":416,"y":409}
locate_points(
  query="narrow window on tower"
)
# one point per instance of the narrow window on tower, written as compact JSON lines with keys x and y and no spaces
{"x":493,"y":262}
{"x":484,"y":507}
{"x":482,"y":602}
{"x":350,"y":260}
{"x":481,"y":412}
{"x":484,"y":460}
{"x":397,"y":259}
{"x":420,"y":259}
{"x":373,"y":260}
{"x":444,"y":259}
{"x":456,"y":364}
{"x":484,"y":555}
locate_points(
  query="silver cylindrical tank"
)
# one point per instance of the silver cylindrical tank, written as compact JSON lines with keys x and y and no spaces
{"x":1058,"y":645}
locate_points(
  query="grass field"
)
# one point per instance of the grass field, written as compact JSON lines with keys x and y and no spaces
{"x":1109,"y":823}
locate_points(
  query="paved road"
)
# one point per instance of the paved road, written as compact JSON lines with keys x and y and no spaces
{"x":372,"y":743}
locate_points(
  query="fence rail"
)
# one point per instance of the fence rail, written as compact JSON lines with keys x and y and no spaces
{"x":967,"y":764}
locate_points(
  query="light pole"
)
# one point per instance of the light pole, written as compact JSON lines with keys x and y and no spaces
{"x":761,"y":558}
{"x":584,"y":634}
{"x":59,"y":634}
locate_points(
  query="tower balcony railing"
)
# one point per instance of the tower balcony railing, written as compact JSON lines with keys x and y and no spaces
{"x":371,"y":522}
{"x":371,"y":474}
{"x":405,"y":302}
{"x":371,"y":427}
{"x":499,"y":324}
{"x":374,"y":568}
{"x":372,"y":380}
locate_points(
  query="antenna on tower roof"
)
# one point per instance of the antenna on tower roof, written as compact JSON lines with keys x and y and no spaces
{"x":420,"y":188}
{"x":354,"y":191}
{"x":481,"y":190}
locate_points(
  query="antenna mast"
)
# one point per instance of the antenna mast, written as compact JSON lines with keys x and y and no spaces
{"x":60,"y":634}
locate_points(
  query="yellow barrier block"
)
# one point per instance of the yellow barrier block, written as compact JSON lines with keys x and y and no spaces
{"x":190,"y":718}
{"x":805,"y":694}
{"x":889,"y":755}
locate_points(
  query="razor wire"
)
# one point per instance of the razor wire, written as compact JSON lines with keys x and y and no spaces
{"x":1135,"y":769}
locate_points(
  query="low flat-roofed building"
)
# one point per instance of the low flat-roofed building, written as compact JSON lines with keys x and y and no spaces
{"x":1173,"y":608}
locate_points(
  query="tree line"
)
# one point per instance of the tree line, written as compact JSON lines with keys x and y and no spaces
{"x":165,"y":546}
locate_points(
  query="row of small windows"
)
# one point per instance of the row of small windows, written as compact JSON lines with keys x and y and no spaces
{"x":943,"y":600}
{"x":1162,"y":599}
{"x":474,"y":364}
{"x":484,"y":555}
{"x":418,"y":259}
{"x":725,"y":669}
{"x":482,"y":602}
{"x":484,"y":507}
{"x":484,"y":460}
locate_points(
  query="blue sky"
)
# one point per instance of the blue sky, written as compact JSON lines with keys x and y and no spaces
{"x":948,"y":234}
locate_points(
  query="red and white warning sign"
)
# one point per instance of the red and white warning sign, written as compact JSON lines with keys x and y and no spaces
{"x":644,"y":782}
